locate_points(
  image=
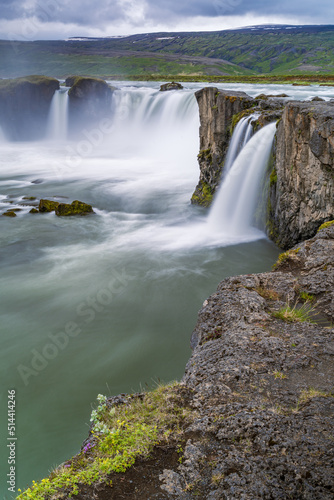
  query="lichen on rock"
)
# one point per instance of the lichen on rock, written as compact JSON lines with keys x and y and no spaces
{"x":75,"y":208}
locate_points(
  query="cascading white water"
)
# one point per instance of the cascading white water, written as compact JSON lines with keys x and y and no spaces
{"x":241,"y":135}
{"x":233,"y":209}
{"x":58,"y":116}
{"x":149,"y":107}
{"x":249,"y":131}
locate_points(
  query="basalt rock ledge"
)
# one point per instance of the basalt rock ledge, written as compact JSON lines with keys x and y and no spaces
{"x":301,"y":195}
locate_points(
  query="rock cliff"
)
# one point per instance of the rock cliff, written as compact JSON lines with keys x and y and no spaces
{"x":24,"y":106}
{"x":303,"y":195}
{"x":302,"y":179}
{"x":216,"y":109}
{"x":252,"y":417}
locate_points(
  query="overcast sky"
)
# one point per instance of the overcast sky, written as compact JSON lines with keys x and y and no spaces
{"x":58,"y":19}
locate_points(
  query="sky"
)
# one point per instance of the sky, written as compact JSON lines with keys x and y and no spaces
{"x":59,"y":19}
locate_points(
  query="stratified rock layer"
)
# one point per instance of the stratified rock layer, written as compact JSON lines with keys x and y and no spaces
{"x":302,"y":180}
{"x":216,"y":109}
{"x":303,"y":196}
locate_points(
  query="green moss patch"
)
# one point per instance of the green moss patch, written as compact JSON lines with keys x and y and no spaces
{"x":119,"y":435}
{"x":326,"y":224}
{"x":203,"y":195}
{"x":289,"y":255}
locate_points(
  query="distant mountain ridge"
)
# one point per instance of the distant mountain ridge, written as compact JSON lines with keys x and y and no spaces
{"x":252,"y":50}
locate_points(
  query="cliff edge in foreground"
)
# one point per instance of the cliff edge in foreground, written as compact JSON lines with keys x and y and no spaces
{"x":253,"y":415}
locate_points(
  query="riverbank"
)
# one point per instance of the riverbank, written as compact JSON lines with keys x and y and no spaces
{"x":253,"y":414}
{"x":307,"y":79}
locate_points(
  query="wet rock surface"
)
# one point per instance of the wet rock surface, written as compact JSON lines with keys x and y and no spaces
{"x":303,"y":196}
{"x":75,"y":208}
{"x":89,"y":104}
{"x":170,"y":86}
{"x":24,"y":106}
{"x":260,"y":389}
{"x":302,"y":182}
{"x":217,"y":108}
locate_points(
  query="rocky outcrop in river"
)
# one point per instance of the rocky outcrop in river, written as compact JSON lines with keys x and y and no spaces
{"x":89,"y":102}
{"x":24,"y":106}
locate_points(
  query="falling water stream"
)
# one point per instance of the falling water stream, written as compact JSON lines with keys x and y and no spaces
{"x":58,"y":116}
{"x":107,"y":303}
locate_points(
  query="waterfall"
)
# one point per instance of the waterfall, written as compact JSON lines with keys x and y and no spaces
{"x":241,"y":135}
{"x":157,"y":124}
{"x":142,"y":107}
{"x":58,"y":116}
{"x":233,"y":209}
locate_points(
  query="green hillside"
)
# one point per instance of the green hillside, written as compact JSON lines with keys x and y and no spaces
{"x":269,"y":50}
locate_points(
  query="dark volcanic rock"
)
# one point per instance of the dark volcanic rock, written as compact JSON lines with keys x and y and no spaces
{"x":171,"y":86}
{"x":217,"y":108}
{"x":75,"y":208}
{"x":9,"y":213}
{"x":48,"y":205}
{"x":302,"y":179}
{"x":263,"y":387}
{"x":89,"y":103}
{"x":24,"y":106}
{"x":303,"y":196}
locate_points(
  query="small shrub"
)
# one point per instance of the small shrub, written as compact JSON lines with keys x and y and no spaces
{"x":295,"y":314}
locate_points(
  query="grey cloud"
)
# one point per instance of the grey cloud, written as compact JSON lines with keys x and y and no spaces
{"x":103,"y":12}
{"x":322,"y":10}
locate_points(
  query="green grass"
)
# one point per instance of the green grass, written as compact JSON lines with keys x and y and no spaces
{"x":121,"y":434}
{"x":299,"y":55}
{"x":296,"y":313}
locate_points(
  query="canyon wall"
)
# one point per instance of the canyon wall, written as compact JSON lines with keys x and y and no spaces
{"x":302,"y":188}
{"x":302,"y":177}
{"x":217,"y":109}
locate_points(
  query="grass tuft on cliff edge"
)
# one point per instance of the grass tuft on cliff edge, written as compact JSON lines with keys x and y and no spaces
{"x":120,"y":433}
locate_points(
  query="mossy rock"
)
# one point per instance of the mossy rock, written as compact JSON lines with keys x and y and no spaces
{"x":9,"y":213}
{"x":203,"y":195}
{"x":326,"y":224}
{"x":25,"y":105}
{"x":171,"y":86}
{"x":48,"y":205}
{"x":34,"y":211}
{"x":75,"y":208}
{"x":273,"y":177}
{"x":13,"y":84}
{"x":87,"y":87}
